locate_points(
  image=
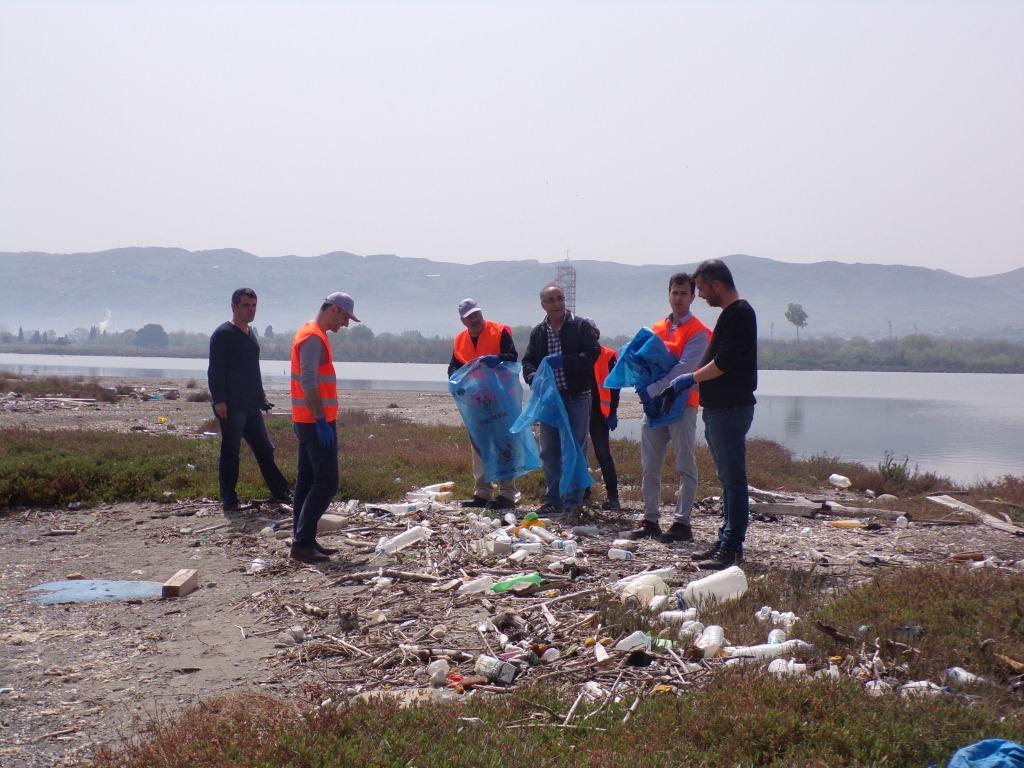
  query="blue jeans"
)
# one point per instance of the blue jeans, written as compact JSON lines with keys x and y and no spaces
{"x":249,"y":425}
{"x":578,"y":410}
{"x":316,"y":482}
{"x":726,"y":432}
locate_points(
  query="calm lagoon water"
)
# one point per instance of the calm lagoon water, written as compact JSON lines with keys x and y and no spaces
{"x":965,"y":426}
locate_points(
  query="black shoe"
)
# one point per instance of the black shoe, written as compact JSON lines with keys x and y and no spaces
{"x":612,"y":504}
{"x":707,"y":554}
{"x":307,"y":554}
{"x":724,"y":559}
{"x":677,"y":532}
{"x":548,"y":509}
{"x":286,"y":499}
{"x":231,"y":506}
{"x":477,"y":502}
{"x":324,"y":550}
{"x":501,"y":502}
{"x":649,"y":530}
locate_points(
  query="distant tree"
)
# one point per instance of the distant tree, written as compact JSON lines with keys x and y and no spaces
{"x":268,"y":332}
{"x":796,"y":315}
{"x":93,"y":333}
{"x":255,"y":331}
{"x":36,"y":338}
{"x":21,"y":334}
{"x":360,"y":333}
{"x":152,"y":336}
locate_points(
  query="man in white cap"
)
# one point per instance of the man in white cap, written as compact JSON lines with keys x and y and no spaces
{"x":493,"y":343}
{"x":314,"y":413}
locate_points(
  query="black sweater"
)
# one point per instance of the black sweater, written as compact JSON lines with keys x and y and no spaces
{"x":234,"y":373}
{"x":734,"y":349}
{"x":579,"y":353}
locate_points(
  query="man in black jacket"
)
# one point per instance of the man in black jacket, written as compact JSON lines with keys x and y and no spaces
{"x":236,"y":388}
{"x":571,"y":348}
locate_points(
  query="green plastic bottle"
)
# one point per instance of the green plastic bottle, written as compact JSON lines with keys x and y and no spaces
{"x":523,"y":578}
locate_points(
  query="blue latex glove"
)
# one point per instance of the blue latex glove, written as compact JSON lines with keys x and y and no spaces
{"x":682,"y":383}
{"x":641,"y":392}
{"x":491,"y":361}
{"x":613,"y":422}
{"x":555,"y":361}
{"x":324,"y":433}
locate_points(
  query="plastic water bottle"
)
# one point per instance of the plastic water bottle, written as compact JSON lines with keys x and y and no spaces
{"x":525,"y":535}
{"x":627,"y":544}
{"x":407,"y":508}
{"x":620,"y":554}
{"x":776,"y":636}
{"x":711,"y":640}
{"x":722,"y":586}
{"x":636,"y":641}
{"x":406,"y":539}
{"x":533,"y":547}
{"x":543,"y":534}
{"x":670,"y":618}
{"x":565,"y":545}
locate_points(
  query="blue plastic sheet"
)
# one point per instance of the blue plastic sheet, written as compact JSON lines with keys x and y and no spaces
{"x":94,"y":590}
{"x":990,"y":753}
{"x":641,"y":362}
{"x":489,"y":401}
{"x":545,"y":405}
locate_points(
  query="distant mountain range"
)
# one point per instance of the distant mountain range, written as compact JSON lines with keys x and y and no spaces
{"x":190,"y":290}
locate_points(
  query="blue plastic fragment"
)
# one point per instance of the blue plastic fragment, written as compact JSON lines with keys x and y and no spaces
{"x":989,"y":753}
{"x":94,"y":590}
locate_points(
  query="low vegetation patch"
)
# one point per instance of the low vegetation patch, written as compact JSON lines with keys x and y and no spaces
{"x":58,"y":386}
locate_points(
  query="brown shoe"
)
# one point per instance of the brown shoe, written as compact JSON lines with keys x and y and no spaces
{"x":649,"y":530}
{"x":324,"y":550}
{"x":307,"y":554}
{"x":707,"y":554}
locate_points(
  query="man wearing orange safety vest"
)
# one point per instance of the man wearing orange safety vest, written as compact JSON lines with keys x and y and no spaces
{"x":493,"y":343}
{"x":314,"y":413}
{"x":686,"y":338}
{"x":604,"y":419}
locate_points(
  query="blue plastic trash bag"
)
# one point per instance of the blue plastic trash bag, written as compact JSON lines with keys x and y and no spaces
{"x":489,"y":401}
{"x":641,"y":362}
{"x":990,"y":753}
{"x":545,"y":405}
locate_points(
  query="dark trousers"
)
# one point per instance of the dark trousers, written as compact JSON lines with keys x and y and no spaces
{"x":316,"y":482}
{"x":599,"y":435}
{"x":726,"y":432}
{"x":249,"y":425}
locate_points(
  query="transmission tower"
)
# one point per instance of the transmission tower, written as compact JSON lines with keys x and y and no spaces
{"x":565,"y":278}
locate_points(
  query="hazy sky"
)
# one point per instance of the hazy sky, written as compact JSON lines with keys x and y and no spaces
{"x":641,"y":132}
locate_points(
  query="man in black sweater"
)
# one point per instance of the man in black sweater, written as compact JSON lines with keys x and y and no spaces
{"x":236,"y":388}
{"x":571,"y":348}
{"x":727,"y":379}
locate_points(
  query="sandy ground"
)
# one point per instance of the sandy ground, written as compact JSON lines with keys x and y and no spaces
{"x":75,"y":676}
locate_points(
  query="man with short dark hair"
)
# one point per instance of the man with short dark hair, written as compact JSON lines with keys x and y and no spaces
{"x":236,"y":389}
{"x":314,"y":392}
{"x":492,"y":342}
{"x":727,"y":379}
{"x":571,"y":349}
{"x":686,"y":338}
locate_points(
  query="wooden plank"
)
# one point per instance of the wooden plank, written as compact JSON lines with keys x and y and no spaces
{"x":982,"y":517}
{"x":182,"y":583}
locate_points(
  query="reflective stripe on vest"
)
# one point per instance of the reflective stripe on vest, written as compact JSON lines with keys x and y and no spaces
{"x":326,"y":381}
{"x":487,"y":343}
{"x":675,"y":342}
{"x":601,"y":370}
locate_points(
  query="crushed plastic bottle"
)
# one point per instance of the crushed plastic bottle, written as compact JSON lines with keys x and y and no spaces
{"x":565,"y":545}
{"x":902,"y":521}
{"x":644,"y":589}
{"x":676,"y":618}
{"x":403,"y":540}
{"x":620,"y":554}
{"x":409,"y":508}
{"x":768,"y":650}
{"x":783,"y":668}
{"x":711,"y":640}
{"x":533,"y":547}
{"x":777,"y":636}
{"x":839,"y":481}
{"x":634,"y":642}
{"x":524,"y":578}
{"x":960,"y":676}
{"x":474,"y":586}
{"x":437,"y":672}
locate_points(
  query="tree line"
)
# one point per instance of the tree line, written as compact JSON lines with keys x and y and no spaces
{"x":916,"y":352}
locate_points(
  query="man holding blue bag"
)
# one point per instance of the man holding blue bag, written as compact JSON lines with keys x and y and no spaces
{"x":686,"y":338}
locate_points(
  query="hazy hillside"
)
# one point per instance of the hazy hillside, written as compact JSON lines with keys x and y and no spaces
{"x":190,"y":290}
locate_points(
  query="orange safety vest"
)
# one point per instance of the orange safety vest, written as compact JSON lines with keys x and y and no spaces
{"x":676,"y":340}
{"x":326,"y":381}
{"x":601,"y":369}
{"x":487,"y":343}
